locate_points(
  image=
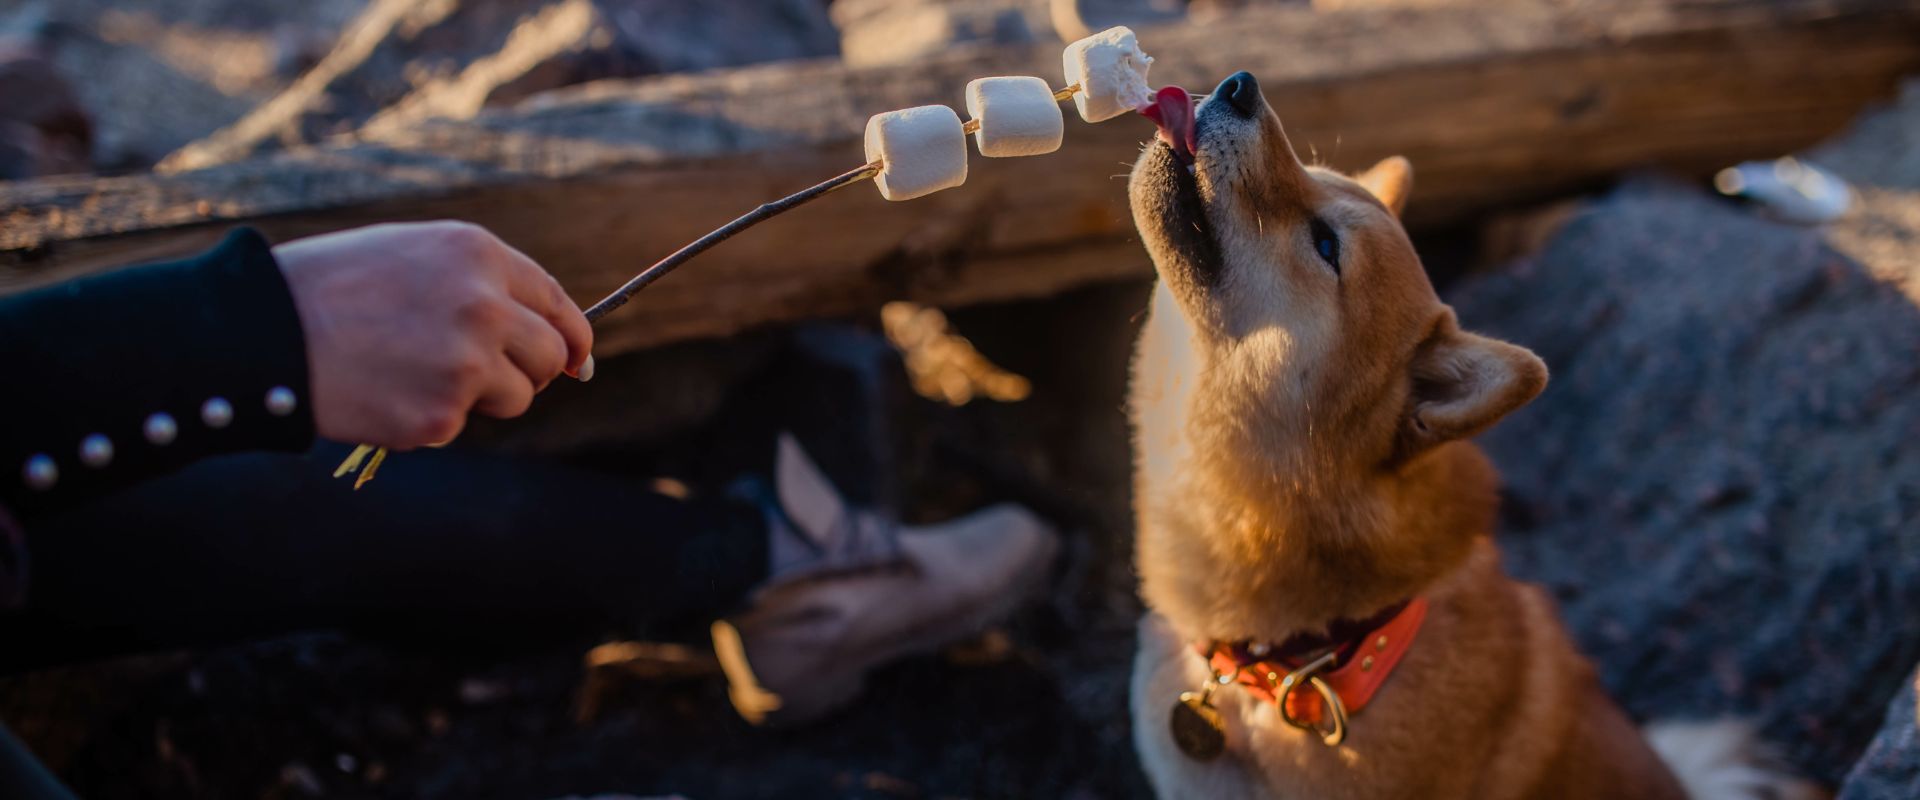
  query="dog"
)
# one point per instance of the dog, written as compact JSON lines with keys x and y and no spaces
{"x":1328,"y":617}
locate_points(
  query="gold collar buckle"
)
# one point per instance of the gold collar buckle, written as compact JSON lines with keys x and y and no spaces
{"x":1283,"y":688}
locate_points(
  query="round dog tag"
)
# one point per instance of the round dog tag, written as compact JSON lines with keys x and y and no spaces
{"x":1197,"y":727}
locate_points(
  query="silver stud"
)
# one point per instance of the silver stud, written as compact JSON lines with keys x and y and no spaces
{"x":280,"y":401}
{"x":96,"y":451}
{"x":216,"y":412}
{"x":1366,"y":663}
{"x":160,"y":429}
{"x":1380,"y":643}
{"x":1259,"y":649}
{"x":41,"y":472}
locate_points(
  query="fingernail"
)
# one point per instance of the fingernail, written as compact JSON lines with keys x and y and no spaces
{"x":586,"y":369}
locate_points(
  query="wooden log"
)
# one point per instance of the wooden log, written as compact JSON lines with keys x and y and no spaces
{"x":1493,"y":105}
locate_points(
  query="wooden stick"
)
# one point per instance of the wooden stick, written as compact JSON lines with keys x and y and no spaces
{"x":765,"y":212}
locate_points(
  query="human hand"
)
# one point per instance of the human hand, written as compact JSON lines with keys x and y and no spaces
{"x":410,"y":327}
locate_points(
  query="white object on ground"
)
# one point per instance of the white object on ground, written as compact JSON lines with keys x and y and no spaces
{"x":1789,"y":189}
{"x":1018,"y":116}
{"x":1112,"y":72}
{"x":922,"y":150}
{"x":1724,"y":758}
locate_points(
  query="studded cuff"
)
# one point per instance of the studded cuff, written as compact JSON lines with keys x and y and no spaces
{"x":119,"y":377}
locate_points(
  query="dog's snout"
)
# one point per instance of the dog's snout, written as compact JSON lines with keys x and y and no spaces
{"x":1241,"y":92}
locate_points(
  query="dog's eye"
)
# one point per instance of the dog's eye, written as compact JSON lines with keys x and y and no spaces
{"x":1326,"y":243}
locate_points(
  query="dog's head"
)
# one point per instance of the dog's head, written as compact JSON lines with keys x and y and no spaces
{"x":1314,"y":320}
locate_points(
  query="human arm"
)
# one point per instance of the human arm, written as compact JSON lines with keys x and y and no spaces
{"x":388,"y":335}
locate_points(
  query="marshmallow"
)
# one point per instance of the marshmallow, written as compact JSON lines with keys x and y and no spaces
{"x":922,"y":150}
{"x":1112,"y":73}
{"x":1017,"y":116}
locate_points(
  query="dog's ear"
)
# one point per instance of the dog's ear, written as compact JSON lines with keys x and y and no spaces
{"x":1463,"y":383}
{"x":1390,"y":181}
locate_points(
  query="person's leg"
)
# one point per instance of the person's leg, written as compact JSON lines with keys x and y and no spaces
{"x":462,"y":545}
{"x":851,"y":590}
{"x":451,"y":542}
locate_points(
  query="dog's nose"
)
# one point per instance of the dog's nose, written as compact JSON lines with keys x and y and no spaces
{"x":1242,"y":92}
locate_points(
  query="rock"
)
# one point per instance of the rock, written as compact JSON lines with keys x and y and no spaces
{"x":1891,"y":767}
{"x":1719,"y":484}
{"x":405,"y":60}
{"x":155,"y":75}
{"x":899,"y":31}
{"x":1205,"y":11}
{"x":43,"y":129}
{"x":1074,"y":20}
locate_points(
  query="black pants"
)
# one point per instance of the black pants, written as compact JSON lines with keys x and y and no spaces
{"x":450,"y":545}
{"x":444,"y":544}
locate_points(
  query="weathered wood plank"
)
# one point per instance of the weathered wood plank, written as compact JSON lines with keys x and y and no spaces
{"x":1494,"y":106}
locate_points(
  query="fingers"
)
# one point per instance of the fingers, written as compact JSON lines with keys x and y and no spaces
{"x":529,"y":357}
{"x":534,"y":347}
{"x":529,"y":284}
{"x":505,"y":391}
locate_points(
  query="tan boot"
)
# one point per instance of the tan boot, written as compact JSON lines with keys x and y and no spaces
{"x":805,"y":646}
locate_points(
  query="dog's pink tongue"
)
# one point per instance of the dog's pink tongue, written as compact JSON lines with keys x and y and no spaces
{"x":1172,"y":110}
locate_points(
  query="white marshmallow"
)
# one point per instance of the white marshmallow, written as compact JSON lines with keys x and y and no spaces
{"x":1017,"y":116}
{"x":1112,"y":72}
{"x":922,"y":150}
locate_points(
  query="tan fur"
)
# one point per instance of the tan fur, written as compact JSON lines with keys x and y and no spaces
{"x":1300,"y":458}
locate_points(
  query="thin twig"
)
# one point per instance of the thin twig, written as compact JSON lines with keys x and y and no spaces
{"x":764,"y":212}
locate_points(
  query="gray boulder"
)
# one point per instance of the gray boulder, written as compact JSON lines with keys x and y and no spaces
{"x":1720,"y":484}
{"x":1891,"y":767}
{"x":406,"y":60}
{"x":43,"y":129}
{"x":900,"y":31}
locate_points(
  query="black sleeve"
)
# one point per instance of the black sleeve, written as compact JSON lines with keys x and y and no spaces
{"x":116,"y":378}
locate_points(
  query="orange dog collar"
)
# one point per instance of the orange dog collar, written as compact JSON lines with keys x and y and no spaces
{"x":1318,"y":680}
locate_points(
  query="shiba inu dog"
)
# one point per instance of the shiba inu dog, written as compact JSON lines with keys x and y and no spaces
{"x":1328,"y":615}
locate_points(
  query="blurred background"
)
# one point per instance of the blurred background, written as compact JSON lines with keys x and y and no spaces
{"x":1704,"y":214}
